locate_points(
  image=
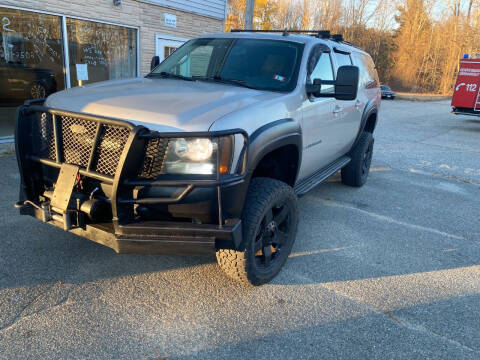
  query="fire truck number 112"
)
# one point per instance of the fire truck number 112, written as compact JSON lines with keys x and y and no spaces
{"x":472,"y":87}
{"x":469,"y":87}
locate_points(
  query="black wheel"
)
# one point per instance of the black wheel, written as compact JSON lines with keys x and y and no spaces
{"x":269,"y":224}
{"x":356,"y":172}
{"x":37,"y":91}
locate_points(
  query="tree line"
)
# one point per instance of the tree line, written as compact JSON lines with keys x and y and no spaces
{"x":416,"y":44}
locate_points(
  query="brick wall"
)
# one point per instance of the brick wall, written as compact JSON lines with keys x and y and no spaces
{"x":147,"y":17}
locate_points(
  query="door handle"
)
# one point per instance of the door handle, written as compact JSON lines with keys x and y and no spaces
{"x":337,"y":110}
{"x":357,"y":104}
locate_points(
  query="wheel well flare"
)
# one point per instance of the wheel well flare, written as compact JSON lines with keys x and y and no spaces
{"x":280,"y":164}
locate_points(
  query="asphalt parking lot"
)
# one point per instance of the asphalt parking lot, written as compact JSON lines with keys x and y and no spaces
{"x":388,"y":271}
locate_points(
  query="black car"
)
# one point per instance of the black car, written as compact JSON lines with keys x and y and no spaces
{"x":387,"y":93}
{"x":19,"y":82}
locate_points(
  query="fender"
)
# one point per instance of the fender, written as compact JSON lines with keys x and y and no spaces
{"x":370,"y":108}
{"x":264,"y":140}
{"x":272,"y":136}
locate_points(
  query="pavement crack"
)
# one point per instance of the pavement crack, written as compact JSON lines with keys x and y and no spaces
{"x":401,"y":321}
{"x":392,"y":220}
{"x":423,"y":329}
{"x":393,"y":317}
{"x":20,"y":317}
{"x":444,"y":176}
{"x":436,"y":135}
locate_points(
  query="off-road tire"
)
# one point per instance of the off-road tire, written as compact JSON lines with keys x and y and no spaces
{"x":263,"y":195}
{"x":356,"y":172}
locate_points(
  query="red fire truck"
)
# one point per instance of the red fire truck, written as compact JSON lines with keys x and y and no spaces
{"x":466,"y":97}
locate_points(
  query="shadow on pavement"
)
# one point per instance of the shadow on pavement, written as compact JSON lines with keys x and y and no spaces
{"x":34,"y":253}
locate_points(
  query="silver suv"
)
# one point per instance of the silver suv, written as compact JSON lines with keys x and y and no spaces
{"x":208,"y":152}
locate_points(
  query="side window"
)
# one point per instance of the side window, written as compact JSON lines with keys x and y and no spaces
{"x":372,"y":72}
{"x":323,"y":70}
{"x":368,"y":74}
{"x":343,"y":59}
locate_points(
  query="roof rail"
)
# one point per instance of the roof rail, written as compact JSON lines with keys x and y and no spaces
{"x":337,"y":37}
{"x":323,"y":34}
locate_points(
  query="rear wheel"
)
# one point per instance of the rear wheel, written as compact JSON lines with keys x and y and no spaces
{"x":356,"y":172}
{"x":269,"y":224}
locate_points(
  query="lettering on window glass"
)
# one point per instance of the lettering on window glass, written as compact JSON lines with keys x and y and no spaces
{"x":34,"y":41}
{"x":6,"y":24}
{"x":108,"y":51}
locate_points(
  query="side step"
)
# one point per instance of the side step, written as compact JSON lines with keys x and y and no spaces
{"x":320,"y":176}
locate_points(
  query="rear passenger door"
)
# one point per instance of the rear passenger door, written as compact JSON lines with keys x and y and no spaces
{"x":351,"y":110}
{"x":368,"y":85}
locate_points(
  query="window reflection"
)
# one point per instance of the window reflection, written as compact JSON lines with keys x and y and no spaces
{"x":31,"y":61}
{"x":100,"y":52}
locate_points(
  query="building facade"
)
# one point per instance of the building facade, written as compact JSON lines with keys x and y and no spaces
{"x":50,"y":45}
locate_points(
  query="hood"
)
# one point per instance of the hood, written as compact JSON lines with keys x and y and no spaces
{"x":159,"y":104}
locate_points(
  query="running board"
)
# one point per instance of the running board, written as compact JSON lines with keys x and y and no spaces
{"x":320,"y":176}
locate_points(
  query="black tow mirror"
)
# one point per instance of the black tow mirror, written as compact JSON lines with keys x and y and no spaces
{"x":155,"y":62}
{"x":314,"y":89}
{"x":346,"y":86}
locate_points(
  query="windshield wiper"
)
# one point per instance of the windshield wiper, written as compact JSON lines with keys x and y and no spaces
{"x":165,"y":74}
{"x":225,"y":81}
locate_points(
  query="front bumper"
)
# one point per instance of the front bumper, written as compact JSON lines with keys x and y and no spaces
{"x":150,"y":237}
{"x":142,"y":218}
{"x":466,"y":111}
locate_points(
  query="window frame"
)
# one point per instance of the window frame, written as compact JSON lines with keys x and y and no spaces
{"x":332,"y":65}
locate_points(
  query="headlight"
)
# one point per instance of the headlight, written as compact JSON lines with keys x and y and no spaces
{"x":194,"y":149}
{"x":198,"y":155}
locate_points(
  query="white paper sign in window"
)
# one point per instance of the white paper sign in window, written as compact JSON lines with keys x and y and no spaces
{"x":82,"y":72}
{"x":170,"y":20}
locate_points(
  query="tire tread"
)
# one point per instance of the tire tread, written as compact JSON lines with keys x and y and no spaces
{"x":261,"y":192}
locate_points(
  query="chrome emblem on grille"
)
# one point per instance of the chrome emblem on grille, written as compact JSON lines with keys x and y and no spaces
{"x":78,"y":129}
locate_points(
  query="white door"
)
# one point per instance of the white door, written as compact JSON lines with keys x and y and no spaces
{"x":166,"y":45}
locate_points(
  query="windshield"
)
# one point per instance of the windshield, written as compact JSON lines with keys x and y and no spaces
{"x":254,"y":63}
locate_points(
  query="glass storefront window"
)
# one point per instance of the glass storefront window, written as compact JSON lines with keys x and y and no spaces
{"x":32,"y":58}
{"x":31,"y":61}
{"x":100,"y":52}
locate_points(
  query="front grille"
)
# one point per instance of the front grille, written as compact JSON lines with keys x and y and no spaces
{"x":77,"y":141}
{"x":44,"y":142}
{"x":78,"y":136}
{"x":155,"y":150}
{"x":110,"y":148}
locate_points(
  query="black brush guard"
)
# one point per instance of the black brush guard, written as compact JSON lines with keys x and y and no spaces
{"x":111,"y":157}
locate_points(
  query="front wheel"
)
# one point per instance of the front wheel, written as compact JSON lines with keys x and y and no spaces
{"x":269,"y":222}
{"x":38,"y":91}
